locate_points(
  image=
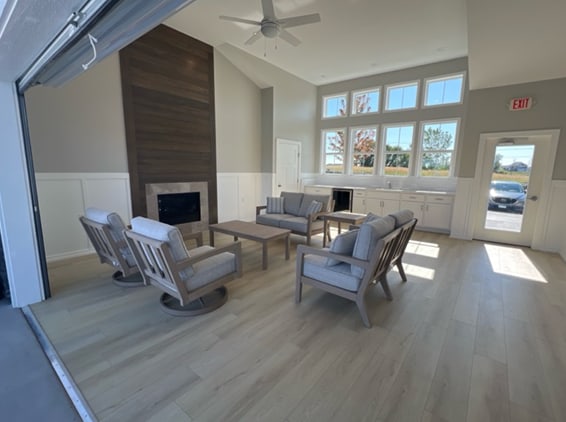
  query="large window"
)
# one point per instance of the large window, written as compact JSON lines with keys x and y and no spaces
{"x":334,"y":106}
{"x":438,"y":140}
{"x":364,"y":102}
{"x":444,"y":90}
{"x":364,"y":142}
{"x":334,"y":141}
{"x":402,"y":96}
{"x":398,"y":141}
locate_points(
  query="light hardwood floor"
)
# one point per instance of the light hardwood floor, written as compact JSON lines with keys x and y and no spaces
{"x":478,"y":333}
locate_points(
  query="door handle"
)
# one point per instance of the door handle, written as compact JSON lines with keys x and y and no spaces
{"x":278,"y":186}
{"x":532,"y":198}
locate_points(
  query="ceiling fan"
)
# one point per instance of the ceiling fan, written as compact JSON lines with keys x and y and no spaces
{"x":271,"y":27}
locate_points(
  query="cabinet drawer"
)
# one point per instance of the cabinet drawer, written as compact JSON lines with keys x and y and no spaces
{"x":359,"y":194}
{"x":439,"y":199}
{"x":318,"y":190}
{"x":383,"y":195}
{"x":412,"y":197}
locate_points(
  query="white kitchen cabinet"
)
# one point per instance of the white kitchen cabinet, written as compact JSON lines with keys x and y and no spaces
{"x":381,"y":202}
{"x":359,"y":201}
{"x":432,"y":210}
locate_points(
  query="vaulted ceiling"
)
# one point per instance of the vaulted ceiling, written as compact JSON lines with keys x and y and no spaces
{"x":507,"y":41}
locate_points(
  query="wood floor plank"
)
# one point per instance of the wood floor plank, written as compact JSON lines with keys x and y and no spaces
{"x":489,"y":397}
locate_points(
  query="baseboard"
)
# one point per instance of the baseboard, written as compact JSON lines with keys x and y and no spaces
{"x":68,"y":255}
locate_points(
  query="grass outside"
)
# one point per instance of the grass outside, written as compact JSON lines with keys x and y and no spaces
{"x":514,"y":176}
{"x":389,"y":171}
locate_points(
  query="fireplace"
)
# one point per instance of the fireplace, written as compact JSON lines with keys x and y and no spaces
{"x":184,"y":204}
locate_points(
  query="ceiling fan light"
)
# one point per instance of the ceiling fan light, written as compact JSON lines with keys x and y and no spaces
{"x":270,"y":29}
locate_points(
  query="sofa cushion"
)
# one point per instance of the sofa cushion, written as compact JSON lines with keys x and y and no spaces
{"x":308,"y":198}
{"x":338,"y":275}
{"x":402,"y":217}
{"x":165,"y":233}
{"x":292,"y":202}
{"x":271,"y":219}
{"x":342,"y":244}
{"x":366,"y":241}
{"x":299,"y":224}
{"x":313,"y":208}
{"x":275,"y":205}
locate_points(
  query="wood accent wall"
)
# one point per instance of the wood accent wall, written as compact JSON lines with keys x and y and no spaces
{"x":168,"y":94}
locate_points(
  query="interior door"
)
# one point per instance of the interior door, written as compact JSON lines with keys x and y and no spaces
{"x":511,"y":184}
{"x":288,"y":166}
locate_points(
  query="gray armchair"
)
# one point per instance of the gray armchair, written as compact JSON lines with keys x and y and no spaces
{"x":355,"y":260}
{"x":105,"y":231}
{"x":193,"y":281}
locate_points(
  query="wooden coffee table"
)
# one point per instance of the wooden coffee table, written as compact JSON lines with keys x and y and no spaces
{"x":252,"y":231}
{"x":340,"y":217}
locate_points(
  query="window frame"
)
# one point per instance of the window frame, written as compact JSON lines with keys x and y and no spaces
{"x":383,"y":152}
{"x":326,"y":97}
{"x":363,"y":91}
{"x":440,"y":78}
{"x":323,"y":151}
{"x":420,"y":151}
{"x":350,"y":149}
{"x":401,"y":85}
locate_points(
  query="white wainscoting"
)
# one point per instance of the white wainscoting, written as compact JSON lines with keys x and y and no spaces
{"x":554,"y":227}
{"x":240,"y":193}
{"x":63,"y":197}
{"x":461,"y":226}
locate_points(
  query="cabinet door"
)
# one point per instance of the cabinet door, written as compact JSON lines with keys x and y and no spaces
{"x":359,"y":205}
{"x":438,"y":216}
{"x":318,"y":190}
{"x":417,"y":208}
{"x":373,"y":205}
{"x":389,"y":206}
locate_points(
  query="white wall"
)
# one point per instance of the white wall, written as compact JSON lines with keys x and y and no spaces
{"x":16,"y":215}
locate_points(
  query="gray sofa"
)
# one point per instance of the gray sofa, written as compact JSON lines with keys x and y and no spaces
{"x":295,"y":217}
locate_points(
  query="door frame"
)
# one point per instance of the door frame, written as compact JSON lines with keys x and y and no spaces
{"x":278,"y":142}
{"x":541,"y":221}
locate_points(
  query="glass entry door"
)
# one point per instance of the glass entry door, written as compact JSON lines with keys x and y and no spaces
{"x":511,"y":182}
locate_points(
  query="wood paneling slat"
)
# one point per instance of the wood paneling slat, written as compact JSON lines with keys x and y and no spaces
{"x":168,"y":94}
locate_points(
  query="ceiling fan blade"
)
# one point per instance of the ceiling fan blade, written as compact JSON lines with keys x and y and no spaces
{"x":299,"y":20}
{"x":256,"y":36}
{"x":290,"y":38}
{"x":233,"y":19}
{"x":268,"y":11}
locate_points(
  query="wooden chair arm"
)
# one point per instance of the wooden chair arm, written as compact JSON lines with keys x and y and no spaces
{"x":197,"y":236}
{"x":309,"y":250}
{"x":259,"y":208}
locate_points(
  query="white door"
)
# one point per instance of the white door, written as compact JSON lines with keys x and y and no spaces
{"x":512,"y":174}
{"x":288,"y":166}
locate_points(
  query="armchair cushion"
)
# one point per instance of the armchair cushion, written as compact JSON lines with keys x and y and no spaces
{"x":292,"y":202}
{"x":342,"y":244}
{"x":402,"y":217}
{"x":275,"y":205}
{"x":165,"y":233}
{"x":338,"y":275}
{"x":210,"y":269}
{"x":371,"y":217}
{"x":367,"y":239}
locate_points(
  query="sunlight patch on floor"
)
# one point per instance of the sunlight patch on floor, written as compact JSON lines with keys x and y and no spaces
{"x":427,"y":249}
{"x":513,"y":262}
{"x":419,"y":271}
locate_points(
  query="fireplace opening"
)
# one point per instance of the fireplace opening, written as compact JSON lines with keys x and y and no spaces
{"x":179,"y":208}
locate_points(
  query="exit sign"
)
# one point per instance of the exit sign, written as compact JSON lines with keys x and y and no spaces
{"x":522,"y":103}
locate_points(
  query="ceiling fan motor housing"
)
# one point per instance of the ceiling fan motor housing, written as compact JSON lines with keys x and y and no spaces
{"x":269,"y":28}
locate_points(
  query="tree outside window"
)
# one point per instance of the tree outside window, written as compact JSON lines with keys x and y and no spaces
{"x":438,"y":140}
{"x":334,"y":150}
{"x":364,"y":142}
{"x":398,"y":146}
{"x":364,"y":102}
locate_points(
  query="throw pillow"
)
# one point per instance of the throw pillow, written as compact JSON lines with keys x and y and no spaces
{"x":275,"y":205}
{"x":342,"y":244}
{"x":314,"y":207}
